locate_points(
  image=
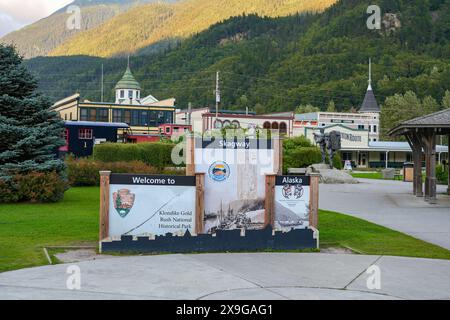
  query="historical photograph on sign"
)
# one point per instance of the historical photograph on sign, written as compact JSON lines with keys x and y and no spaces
{"x":149,"y":206}
{"x":292,"y":202}
{"x":234,"y":183}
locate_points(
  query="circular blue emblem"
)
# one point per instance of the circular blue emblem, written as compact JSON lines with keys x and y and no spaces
{"x":219,"y":171}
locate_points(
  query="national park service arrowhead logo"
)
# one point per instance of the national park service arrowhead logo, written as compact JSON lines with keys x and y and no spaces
{"x":123,"y":201}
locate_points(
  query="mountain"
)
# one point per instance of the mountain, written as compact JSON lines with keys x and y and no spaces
{"x":276,"y":64}
{"x":161,"y":24}
{"x":43,"y":36}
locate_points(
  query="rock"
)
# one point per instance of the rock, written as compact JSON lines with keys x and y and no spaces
{"x":388,"y":173}
{"x":331,"y":176}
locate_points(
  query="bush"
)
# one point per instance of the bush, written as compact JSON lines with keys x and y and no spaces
{"x":154,"y":154}
{"x":34,"y":187}
{"x":442,"y":174}
{"x":301,"y":158}
{"x":85,"y":172}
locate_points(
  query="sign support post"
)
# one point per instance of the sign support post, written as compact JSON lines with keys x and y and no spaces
{"x":104,"y":204}
{"x":190,"y":149}
{"x":314,"y":200}
{"x":269,"y":202}
{"x":199,"y":202}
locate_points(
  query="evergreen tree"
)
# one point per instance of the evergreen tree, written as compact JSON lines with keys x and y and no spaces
{"x":446,"y":100}
{"x":331,"y":107}
{"x":31,"y":132}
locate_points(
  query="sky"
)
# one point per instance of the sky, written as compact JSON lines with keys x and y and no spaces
{"x":15,"y":14}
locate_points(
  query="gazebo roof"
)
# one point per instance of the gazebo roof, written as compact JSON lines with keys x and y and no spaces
{"x":437,"y":120}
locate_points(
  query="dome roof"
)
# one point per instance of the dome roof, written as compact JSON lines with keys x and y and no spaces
{"x":128,"y":81}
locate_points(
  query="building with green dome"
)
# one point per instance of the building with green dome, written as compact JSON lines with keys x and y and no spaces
{"x":144,"y":114}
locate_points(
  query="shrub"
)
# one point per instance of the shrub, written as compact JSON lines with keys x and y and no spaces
{"x":442,"y":174}
{"x":85,"y":172}
{"x":34,"y":187}
{"x":154,"y":154}
{"x":301,"y":158}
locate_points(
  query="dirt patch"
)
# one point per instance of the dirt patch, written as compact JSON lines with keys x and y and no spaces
{"x":333,"y":250}
{"x":80,"y":255}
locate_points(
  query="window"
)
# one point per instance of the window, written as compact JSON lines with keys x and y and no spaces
{"x":375,"y":129}
{"x":130,"y":94}
{"x":167,"y":129}
{"x":236,"y":124}
{"x":117,"y":115}
{"x":127,"y":116}
{"x":361,"y":127}
{"x":103,"y":115}
{"x":382,"y":156}
{"x":283,"y":128}
{"x":217,"y":124}
{"x":266,"y":125}
{"x":346,"y":156}
{"x":122,"y":94}
{"x":135,"y":117}
{"x":65,"y":116}
{"x":71,"y":116}
{"x":83,"y":114}
{"x":275,"y":125}
{"x":409,"y":157}
{"x":85,"y":134}
{"x":92,"y":114}
{"x":144,"y":118}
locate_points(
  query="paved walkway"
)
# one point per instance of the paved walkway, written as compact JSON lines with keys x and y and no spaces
{"x":235,"y":276}
{"x":391,"y":204}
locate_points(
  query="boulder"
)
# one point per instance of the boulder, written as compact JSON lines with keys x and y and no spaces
{"x":331,"y":176}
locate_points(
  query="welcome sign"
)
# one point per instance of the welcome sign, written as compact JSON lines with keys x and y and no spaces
{"x":235,"y":172}
{"x":144,"y":205}
{"x":292,"y":202}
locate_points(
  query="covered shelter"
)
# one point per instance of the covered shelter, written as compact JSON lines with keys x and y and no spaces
{"x":421,"y":134}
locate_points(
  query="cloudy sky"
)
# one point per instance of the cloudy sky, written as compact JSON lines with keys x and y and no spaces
{"x":14,"y":14}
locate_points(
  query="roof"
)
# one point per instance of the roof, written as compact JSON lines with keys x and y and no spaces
{"x":96,"y":124}
{"x":128,"y":81}
{"x":393,"y":146}
{"x":370,"y":103}
{"x":312,"y":116}
{"x":440,"y":119}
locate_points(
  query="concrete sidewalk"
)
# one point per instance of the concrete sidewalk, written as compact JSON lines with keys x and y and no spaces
{"x":391,"y":204}
{"x":235,"y":276}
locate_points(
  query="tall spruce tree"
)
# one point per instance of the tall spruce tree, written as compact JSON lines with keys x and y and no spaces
{"x":30,"y":132}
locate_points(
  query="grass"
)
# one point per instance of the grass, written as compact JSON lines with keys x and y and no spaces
{"x":338,"y":229}
{"x":26,"y":228}
{"x":372,"y":175}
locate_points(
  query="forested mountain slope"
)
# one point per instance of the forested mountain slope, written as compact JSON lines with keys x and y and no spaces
{"x":277,"y":64}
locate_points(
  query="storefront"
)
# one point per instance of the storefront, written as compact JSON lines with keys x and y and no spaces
{"x":363,"y":153}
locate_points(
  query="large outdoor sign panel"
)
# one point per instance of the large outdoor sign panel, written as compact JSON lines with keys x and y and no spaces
{"x":234,"y":181}
{"x":143,"y":205}
{"x":292,"y":202}
{"x":350,"y":138}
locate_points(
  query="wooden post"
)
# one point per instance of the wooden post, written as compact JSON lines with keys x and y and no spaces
{"x":432,"y":178}
{"x":104,"y":204}
{"x":314,"y":200}
{"x":426,"y":147}
{"x":199,"y":202}
{"x":278,"y":153}
{"x":448,"y":165}
{"x":416,"y":147}
{"x":269,"y":203}
{"x":190,"y":150}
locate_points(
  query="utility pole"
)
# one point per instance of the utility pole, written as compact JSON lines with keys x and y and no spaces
{"x":103,"y":88}
{"x":189,"y":117}
{"x":217,"y":94}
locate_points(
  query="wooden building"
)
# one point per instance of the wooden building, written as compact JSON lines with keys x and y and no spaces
{"x":422,"y":133}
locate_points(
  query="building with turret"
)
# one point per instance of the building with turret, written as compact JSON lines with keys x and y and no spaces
{"x":143,"y":114}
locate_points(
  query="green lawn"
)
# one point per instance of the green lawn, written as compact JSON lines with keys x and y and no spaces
{"x":26,"y":228}
{"x":372,"y":175}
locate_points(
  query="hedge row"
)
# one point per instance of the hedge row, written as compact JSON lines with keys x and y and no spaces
{"x":157,"y":155}
{"x":85,"y":171}
{"x":33,"y":187}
